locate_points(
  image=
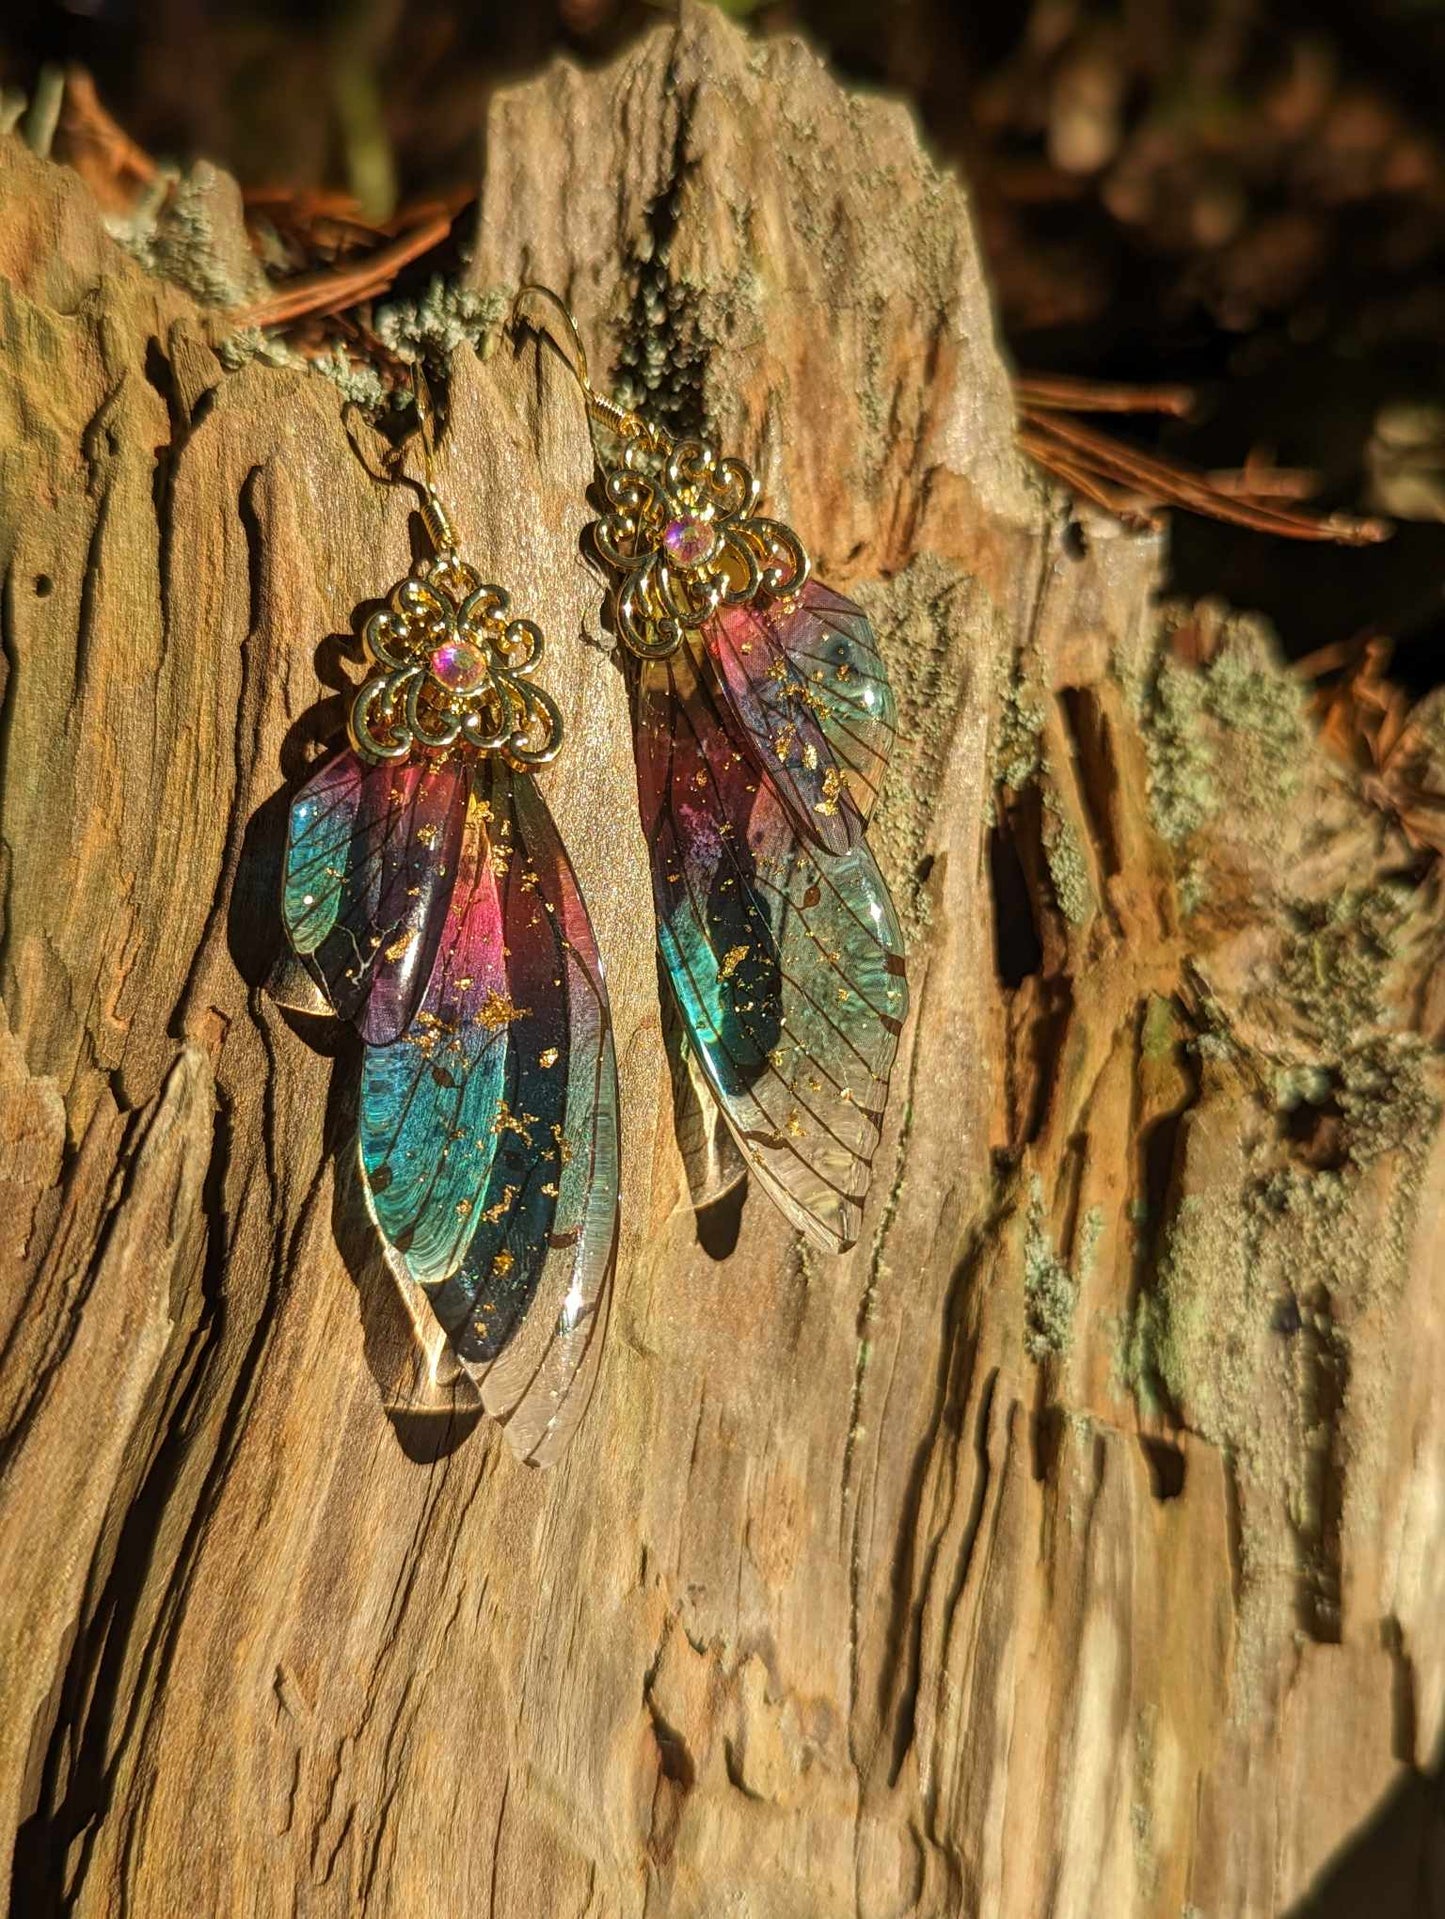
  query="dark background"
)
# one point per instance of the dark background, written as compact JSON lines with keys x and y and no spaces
{"x":1244,"y":195}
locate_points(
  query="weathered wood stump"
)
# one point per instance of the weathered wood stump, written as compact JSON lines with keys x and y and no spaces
{"x":1072,"y":1546}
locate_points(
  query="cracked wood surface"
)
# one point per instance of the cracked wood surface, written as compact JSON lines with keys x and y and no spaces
{"x":1071,"y":1546}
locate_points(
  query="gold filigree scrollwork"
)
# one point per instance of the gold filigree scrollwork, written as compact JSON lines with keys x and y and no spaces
{"x":451,"y":669}
{"x":682,"y":532}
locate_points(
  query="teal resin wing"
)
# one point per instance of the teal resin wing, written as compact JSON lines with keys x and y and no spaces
{"x":527,"y":1307}
{"x":429,"y":1122}
{"x":785,"y":957}
{"x":488,"y":1114}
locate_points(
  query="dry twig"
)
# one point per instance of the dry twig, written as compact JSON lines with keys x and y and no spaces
{"x":1368,"y":721}
{"x":1135,"y":486}
{"x":334,"y":290}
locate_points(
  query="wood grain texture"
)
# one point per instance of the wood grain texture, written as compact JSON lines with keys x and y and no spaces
{"x":1072,"y":1545}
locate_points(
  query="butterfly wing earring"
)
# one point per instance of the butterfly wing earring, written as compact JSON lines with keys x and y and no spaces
{"x":428,"y":895}
{"x":763,"y":721}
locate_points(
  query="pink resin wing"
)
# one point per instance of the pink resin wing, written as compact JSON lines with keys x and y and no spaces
{"x":804,"y":677}
{"x":777,"y":710}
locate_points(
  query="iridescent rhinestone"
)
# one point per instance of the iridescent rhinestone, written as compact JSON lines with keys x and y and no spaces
{"x":459,"y":665}
{"x":688,"y":540}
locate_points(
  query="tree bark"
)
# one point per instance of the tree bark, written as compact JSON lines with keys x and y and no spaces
{"x":1071,"y":1546}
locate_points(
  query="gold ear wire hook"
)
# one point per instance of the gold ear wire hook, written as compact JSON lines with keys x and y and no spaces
{"x":622,"y":420}
{"x":435,"y":517}
{"x":434,"y":514}
{"x":421,"y":400}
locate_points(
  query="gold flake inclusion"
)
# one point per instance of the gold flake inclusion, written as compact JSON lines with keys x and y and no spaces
{"x":497,"y":1011}
{"x":503,"y":1205}
{"x":832,"y":786}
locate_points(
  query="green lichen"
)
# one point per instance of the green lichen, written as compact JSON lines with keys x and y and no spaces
{"x":1188,"y":1338}
{"x":188,"y":228}
{"x":244,"y":345}
{"x":1017,"y":754}
{"x":1296,"y":1085}
{"x":1193,"y":887}
{"x":1241,"y":1328}
{"x":1277,"y":1244}
{"x":1183,"y":792}
{"x":190,"y":242}
{"x":1141,"y":1829}
{"x":135,"y":228}
{"x":1337,"y":959}
{"x":1387,"y":1094}
{"x":1050,"y":1290}
{"x":1312,"y":1203}
{"x":1068,"y":869}
{"x":1282,"y":1221}
{"x":361,"y":384}
{"x":1232,"y":732}
{"x":1261,"y":705}
{"x":1091,"y":1232}
{"x":664,"y":348}
{"x":1290,"y":1216}
{"x":1161,"y":1031}
{"x":449,"y":316}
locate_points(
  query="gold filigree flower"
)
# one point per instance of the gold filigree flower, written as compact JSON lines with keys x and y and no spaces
{"x":682,"y":533}
{"x":451,"y":669}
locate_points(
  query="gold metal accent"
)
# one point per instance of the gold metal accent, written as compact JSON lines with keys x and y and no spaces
{"x":601,"y":410}
{"x":681,"y":535}
{"x":661,"y":595}
{"x":403,"y":704}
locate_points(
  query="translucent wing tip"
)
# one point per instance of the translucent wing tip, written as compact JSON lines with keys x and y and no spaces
{"x":292,"y":985}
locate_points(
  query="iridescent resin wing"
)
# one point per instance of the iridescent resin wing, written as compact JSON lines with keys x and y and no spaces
{"x":370,"y":860}
{"x":779,"y":711}
{"x":804,"y":677}
{"x":763,"y":724}
{"x":429,"y":1110}
{"x":710,"y":1155}
{"x":786,"y":958}
{"x":831,"y":641}
{"x":432,"y":901}
{"x":488,"y":1131}
{"x":527,"y":1306}
{"x":806,"y":681}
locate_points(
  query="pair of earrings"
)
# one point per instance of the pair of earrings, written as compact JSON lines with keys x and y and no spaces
{"x":428,"y":895}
